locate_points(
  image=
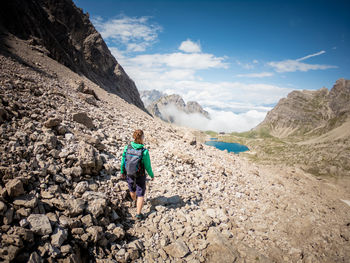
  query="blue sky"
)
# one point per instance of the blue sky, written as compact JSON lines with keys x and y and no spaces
{"x":236,"y":58}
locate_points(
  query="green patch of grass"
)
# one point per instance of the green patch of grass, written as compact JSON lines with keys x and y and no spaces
{"x":211,"y":133}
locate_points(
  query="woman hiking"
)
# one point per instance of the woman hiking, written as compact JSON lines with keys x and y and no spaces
{"x":135,"y":161}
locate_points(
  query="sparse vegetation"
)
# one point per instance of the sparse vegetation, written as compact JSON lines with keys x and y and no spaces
{"x":211,"y":133}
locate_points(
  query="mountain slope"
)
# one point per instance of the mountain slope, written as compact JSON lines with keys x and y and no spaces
{"x":309,"y":112}
{"x":63,"y":32}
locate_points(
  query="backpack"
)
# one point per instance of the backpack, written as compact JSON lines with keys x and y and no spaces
{"x":133,"y":162}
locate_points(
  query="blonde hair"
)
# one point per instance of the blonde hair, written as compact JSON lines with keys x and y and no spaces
{"x":138,"y":136}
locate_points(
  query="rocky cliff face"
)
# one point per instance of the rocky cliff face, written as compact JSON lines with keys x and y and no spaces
{"x":62,"y":31}
{"x":310,"y":112}
{"x":167,"y":107}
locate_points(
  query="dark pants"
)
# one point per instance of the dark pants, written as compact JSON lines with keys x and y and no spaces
{"x":139,"y":187}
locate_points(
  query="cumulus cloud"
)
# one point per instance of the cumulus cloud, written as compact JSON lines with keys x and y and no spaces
{"x":194,"y":61}
{"x":190,"y":47}
{"x":291,"y":65}
{"x":136,"y":34}
{"x":255,"y":75}
{"x":221,"y":121}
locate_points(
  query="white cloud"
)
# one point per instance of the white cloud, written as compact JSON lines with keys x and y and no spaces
{"x":118,"y":54}
{"x":136,"y":34}
{"x":193,"y":61}
{"x":312,"y":55}
{"x":225,"y":121}
{"x":190,"y":47}
{"x":256,"y":75}
{"x":291,"y":65}
{"x":247,"y":65}
{"x":294,"y":65}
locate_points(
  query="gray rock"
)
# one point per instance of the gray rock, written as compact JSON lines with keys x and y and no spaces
{"x":39,"y":224}
{"x":96,"y":207}
{"x":29,"y":201}
{"x":50,"y":140}
{"x":81,"y":187}
{"x":89,"y":159}
{"x":119,"y":232}
{"x":84,"y":119}
{"x":9,"y":253}
{"x":52,"y":122}
{"x":91,"y":100}
{"x":14,"y":188}
{"x":76,"y":171}
{"x":66,"y":249}
{"x":96,"y":233}
{"x":3,"y":208}
{"x":220,"y":248}
{"x":87,"y":220}
{"x":24,"y":222}
{"x":58,"y":237}
{"x":76,"y":206}
{"x":35,"y":258}
{"x":178,"y":249}
{"x":8,"y":217}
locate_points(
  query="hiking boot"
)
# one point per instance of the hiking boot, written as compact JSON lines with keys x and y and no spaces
{"x":139,"y":217}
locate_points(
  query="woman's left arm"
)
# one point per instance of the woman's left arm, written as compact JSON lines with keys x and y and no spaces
{"x":147,"y":163}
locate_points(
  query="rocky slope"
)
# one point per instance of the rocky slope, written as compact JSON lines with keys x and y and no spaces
{"x":62,"y":201}
{"x":62,"y":31}
{"x":169,"y":107}
{"x":310,"y":112}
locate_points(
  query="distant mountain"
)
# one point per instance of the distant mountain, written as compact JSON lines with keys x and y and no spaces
{"x":170,"y":106}
{"x":310,"y":112}
{"x":150,"y":96}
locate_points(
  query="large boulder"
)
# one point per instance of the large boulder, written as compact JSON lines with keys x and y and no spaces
{"x":84,"y":119}
{"x":89,"y":159}
{"x":97,"y":202}
{"x":52,"y":122}
{"x":220,"y":249}
{"x":14,"y":188}
{"x":178,"y":249}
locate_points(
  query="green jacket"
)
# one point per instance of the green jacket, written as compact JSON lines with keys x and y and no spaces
{"x":146,"y":160}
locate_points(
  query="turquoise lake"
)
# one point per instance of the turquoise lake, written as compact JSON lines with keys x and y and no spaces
{"x":230,"y":147}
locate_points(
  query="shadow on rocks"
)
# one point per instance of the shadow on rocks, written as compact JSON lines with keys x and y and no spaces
{"x":161,"y":202}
